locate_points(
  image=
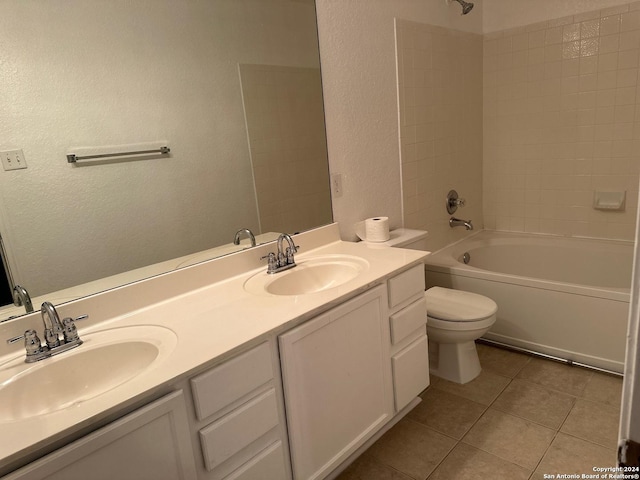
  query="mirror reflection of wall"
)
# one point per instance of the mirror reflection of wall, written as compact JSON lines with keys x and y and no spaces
{"x":89,"y":73}
{"x":285,"y":123}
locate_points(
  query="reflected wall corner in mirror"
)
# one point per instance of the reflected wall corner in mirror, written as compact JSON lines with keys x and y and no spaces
{"x":232,"y":85}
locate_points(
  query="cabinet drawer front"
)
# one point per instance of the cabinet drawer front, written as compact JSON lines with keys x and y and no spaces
{"x":408,"y":320}
{"x":233,"y":432}
{"x":410,"y":372}
{"x":267,"y":464}
{"x":226,"y":383}
{"x":405,"y":285}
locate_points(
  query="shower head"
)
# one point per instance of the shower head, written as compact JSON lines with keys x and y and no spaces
{"x":466,"y":6}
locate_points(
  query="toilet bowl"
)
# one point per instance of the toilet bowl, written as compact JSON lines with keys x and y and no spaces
{"x":455,"y":319}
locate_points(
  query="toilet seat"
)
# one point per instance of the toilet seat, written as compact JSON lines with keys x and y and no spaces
{"x":455,"y":306}
{"x":484,"y":323}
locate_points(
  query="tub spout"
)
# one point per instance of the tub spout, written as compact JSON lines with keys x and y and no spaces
{"x":455,"y":222}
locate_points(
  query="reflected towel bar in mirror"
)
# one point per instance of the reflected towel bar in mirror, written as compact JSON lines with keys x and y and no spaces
{"x":73,"y":158}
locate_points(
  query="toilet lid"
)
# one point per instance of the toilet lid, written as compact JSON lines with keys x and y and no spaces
{"x":458,"y":306}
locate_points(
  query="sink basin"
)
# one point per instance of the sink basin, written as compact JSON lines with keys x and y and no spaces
{"x":310,"y":276}
{"x":104,"y":361}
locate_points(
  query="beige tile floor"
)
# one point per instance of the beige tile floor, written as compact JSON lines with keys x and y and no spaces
{"x":523,"y":417}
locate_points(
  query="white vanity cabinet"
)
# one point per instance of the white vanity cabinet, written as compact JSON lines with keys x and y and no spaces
{"x":409,"y":345}
{"x":240,"y":418}
{"x":292,"y":403}
{"x":225,"y":423}
{"x":337,"y":383}
{"x":150,"y":443}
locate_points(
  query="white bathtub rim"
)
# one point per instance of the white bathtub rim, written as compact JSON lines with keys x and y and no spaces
{"x":443,"y":262}
{"x":506,"y":235}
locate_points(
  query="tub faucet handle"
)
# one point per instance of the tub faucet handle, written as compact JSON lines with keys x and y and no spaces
{"x":453,"y":202}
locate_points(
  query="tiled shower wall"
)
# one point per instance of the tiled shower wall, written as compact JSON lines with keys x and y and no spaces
{"x":561,"y":120}
{"x":285,"y":124}
{"x":440,"y":105}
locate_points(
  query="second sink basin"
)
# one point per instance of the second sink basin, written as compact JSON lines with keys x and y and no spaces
{"x":309,"y":276}
{"x":104,"y":361}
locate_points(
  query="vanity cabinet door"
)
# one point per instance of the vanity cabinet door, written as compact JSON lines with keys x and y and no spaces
{"x":151,"y":443}
{"x":337,"y":383}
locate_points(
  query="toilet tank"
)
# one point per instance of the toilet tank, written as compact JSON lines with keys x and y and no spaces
{"x":407,"y":238}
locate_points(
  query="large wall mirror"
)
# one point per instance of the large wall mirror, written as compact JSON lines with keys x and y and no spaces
{"x":231,"y":86}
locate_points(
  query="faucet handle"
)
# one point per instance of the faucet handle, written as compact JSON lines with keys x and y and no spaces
{"x":453,"y":202}
{"x":289,"y":253}
{"x":69,"y":329}
{"x":273,"y":262}
{"x":31,"y":342}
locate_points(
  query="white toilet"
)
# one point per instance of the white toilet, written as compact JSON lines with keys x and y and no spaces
{"x":455,"y":319}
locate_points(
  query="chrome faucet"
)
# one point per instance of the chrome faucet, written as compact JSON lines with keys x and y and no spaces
{"x":53,"y":327}
{"x":283,"y":259}
{"x":21,"y":298}
{"x":248,"y":233}
{"x":52,"y":324}
{"x":455,"y":222}
{"x":286,"y":257}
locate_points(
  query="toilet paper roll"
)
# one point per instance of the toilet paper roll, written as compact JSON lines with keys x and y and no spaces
{"x":377,"y":229}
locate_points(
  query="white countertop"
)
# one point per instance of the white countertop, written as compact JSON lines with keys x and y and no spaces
{"x":210,"y":323}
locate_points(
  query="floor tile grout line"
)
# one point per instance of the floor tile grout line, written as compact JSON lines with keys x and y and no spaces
{"x":493,"y":454}
{"x":404,"y":474}
{"x":486,"y":409}
{"x":461,"y":440}
{"x":443,"y":459}
{"x":491,"y":405}
{"x":588,"y":441}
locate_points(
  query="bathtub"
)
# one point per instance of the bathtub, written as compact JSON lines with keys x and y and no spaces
{"x":564,"y":297}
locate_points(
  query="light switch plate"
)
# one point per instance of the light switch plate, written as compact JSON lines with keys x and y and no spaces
{"x":336,"y":184}
{"x":13,"y":160}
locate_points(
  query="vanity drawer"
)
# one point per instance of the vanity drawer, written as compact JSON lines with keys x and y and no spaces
{"x":267,"y":464}
{"x":408,"y":320}
{"x":405,"y":285}
{"x":226,"y":383}
{"x":410,"y":372}
{"x":235,"y":431}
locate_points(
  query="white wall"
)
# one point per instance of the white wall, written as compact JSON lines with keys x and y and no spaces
{"x":357,"y":48}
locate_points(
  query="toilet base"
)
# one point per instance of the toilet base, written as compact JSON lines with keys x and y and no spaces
{"x":456,"y":362}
